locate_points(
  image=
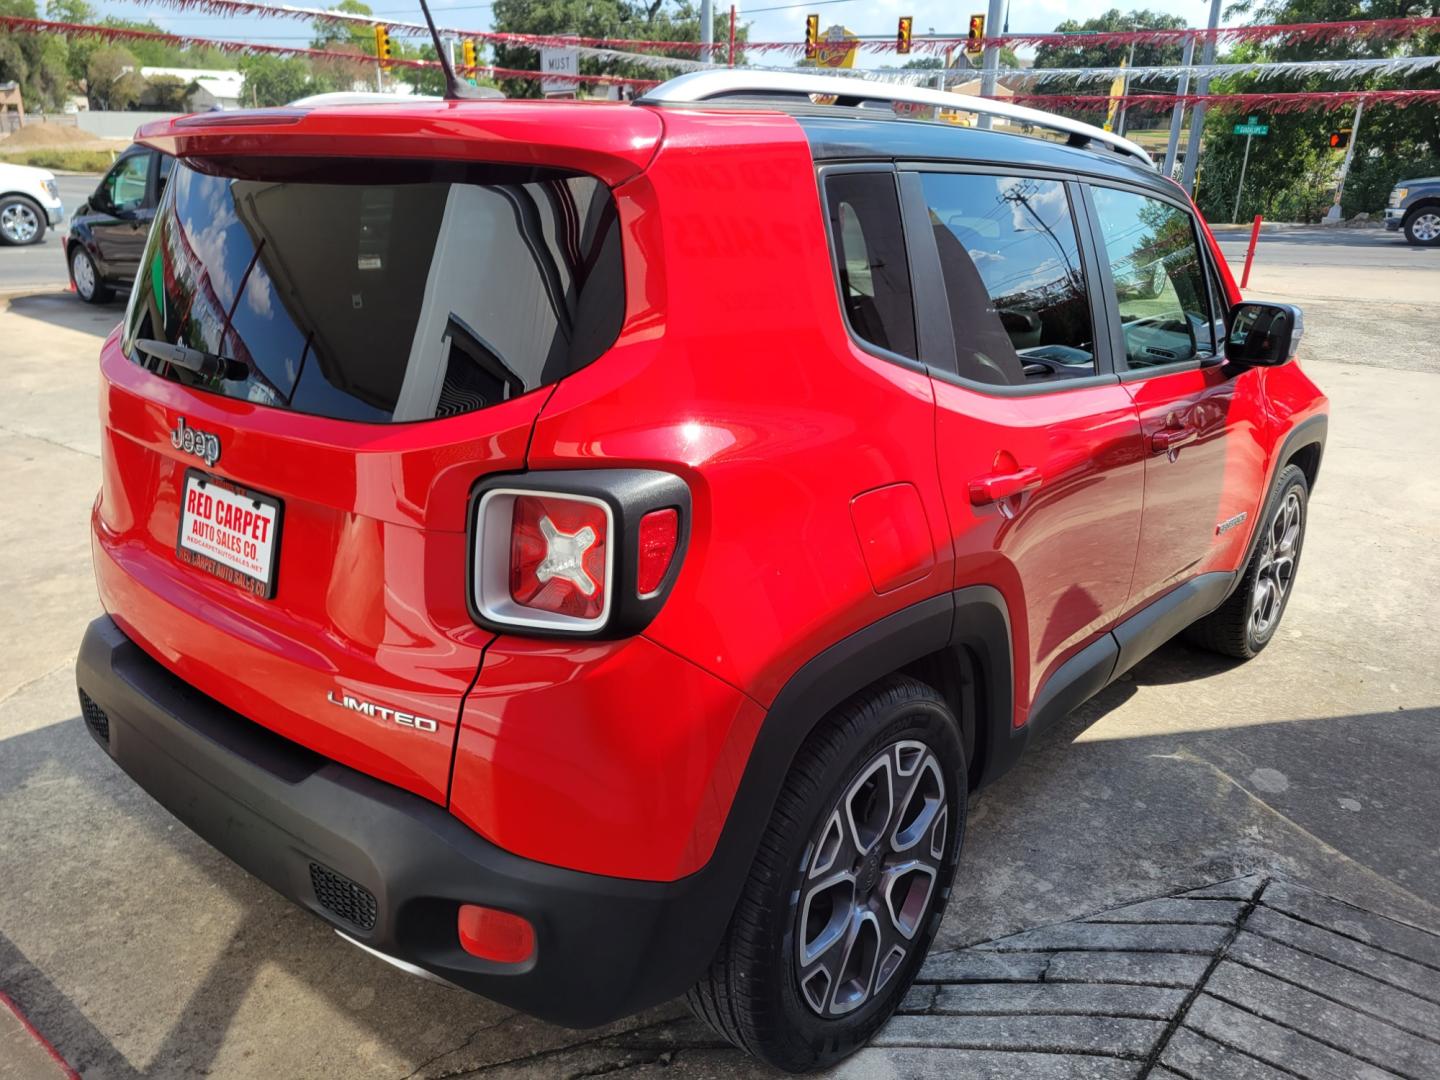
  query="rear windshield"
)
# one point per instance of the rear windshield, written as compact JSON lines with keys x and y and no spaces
{"x":380,"y":291}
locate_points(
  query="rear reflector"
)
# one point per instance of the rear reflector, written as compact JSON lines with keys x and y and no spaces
{"x":659,"y":533}
{"x":495,"y":935}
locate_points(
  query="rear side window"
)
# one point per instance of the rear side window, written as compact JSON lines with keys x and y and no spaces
{"x":869,"y":252}
{"x":1160,"y":280}
{"x":379,"y":291}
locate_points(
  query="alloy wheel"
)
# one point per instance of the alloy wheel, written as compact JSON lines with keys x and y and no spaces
{"x":1426,"y":227}
{"x":84,"y":271}
{"x":19,"y":223}
{"x":1280,"y":548}
{"x":869,"y":878}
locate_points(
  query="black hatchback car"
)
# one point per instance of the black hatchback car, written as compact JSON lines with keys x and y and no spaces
{"x":108,"y":231}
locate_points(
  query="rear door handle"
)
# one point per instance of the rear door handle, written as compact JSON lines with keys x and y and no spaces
{"x":998,"y":486}
{"x":1168,"y":440}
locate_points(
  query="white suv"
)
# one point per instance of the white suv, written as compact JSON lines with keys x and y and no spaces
{"x":29,"y":203}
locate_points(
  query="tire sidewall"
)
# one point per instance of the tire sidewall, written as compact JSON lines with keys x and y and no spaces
{"x":1410,"y":225}
{"x":97,"y":288}
{"x":918,"y":718}
{"x":40,"y":221}
{"x":1291,"y":479}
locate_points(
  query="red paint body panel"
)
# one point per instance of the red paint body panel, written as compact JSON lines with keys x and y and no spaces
{"x":769,"y":417}
{"x":370,"y":596}
{"x":619,"y":758}
{"x":1063,"y":557}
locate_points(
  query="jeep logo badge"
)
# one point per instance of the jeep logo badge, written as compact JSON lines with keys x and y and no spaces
{"x":191,"y":440}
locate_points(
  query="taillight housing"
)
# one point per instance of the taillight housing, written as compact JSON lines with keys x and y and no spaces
{"x":587,"y":552}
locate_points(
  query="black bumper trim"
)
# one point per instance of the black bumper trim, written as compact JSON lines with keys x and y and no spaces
{"x":605,"y":947}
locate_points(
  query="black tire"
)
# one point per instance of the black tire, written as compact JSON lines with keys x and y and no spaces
{"x":17,"y":211}
{"x":1422,"y":225}
{"x":99,"y":292}
{"x":1232,"y":629}
{"x":752,"y":993}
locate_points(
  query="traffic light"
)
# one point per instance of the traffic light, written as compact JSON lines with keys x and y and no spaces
{"x":1339,"y":140}
{"x":812,"y":36}
{"x":973,"y":44}
{"x":902,"y":35}
{"x":383,"y":48}
{"x":467,"y":56}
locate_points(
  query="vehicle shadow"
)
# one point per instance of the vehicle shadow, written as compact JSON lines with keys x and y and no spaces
{"x":64,"y":309}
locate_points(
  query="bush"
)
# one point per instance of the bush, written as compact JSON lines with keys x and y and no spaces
{"x":83,"y":161}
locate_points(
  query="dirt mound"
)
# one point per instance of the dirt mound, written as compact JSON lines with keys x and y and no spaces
{"x":45,"y":135}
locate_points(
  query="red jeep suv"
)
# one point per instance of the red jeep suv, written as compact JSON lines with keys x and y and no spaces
{"x":589,"y":553}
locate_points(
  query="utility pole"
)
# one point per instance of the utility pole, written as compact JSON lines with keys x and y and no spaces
{"x":989,"y":75}
{"x":1240,"y":187}
{"x":1177,"y":114}
{"x":1333,"y":214}
{"x":707,"y":28}
{"x":1197,"y":114}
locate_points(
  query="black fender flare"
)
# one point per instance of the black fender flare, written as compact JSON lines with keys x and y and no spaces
{"x":1311,"y":432}
{"x":974,"y":619}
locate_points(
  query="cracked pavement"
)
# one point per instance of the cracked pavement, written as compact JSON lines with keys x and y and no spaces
{"x":141,"y":952}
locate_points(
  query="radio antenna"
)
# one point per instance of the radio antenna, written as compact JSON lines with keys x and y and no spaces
{"x":456,"y":89}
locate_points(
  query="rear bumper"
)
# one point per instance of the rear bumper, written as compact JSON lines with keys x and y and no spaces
{"x":605,"y":947}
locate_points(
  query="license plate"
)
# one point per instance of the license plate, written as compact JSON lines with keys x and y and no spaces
{"x":229,"y":531}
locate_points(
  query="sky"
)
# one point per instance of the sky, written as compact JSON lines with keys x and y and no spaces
{"x":770,"y":20}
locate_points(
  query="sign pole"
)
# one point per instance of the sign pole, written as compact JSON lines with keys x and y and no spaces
{"x":1333,"y":214}
{"x":1235,"y":214}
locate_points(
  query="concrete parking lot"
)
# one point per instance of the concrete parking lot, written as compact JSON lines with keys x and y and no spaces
{"x":1274,"y":820}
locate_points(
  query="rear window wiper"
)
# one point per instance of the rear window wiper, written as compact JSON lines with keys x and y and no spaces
{"x":207,"y":365}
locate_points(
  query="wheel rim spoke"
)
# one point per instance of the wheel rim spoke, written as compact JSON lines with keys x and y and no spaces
{"x":1276,"y":567}
{"x":870,"y":878}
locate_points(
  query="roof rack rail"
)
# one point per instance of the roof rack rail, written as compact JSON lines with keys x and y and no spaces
{"x":710,"y":86}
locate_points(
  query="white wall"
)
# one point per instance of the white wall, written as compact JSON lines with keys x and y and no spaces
{"x":116,"y":125}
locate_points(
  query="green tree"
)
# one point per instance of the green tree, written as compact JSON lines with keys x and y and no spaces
{"x":36,"y":61}
{"x":103,"y":76}
{"x":347,"y":36}
{"x":275,"y":80}
{"x":1292,"y":172}
{"x":655,"y":20}
{"x":166,"y":93}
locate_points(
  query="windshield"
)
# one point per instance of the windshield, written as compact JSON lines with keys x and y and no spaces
{"x":380,"y":291}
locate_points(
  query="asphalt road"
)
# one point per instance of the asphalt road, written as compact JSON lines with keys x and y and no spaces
{"x":1320,"y":245}
{"x":43,"y":264}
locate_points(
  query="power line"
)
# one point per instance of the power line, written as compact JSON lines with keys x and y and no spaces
{"x":787,"y":7}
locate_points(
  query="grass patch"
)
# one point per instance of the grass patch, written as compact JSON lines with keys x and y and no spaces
{"x":87,"y":161}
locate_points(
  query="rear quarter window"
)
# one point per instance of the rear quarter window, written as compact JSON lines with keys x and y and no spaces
{"x":381,"y":292}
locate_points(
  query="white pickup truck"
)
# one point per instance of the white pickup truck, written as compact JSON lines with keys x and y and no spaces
{"x":29,"y":203}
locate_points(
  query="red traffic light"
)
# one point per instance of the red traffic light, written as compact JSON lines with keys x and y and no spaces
{"x":1339,"y":140}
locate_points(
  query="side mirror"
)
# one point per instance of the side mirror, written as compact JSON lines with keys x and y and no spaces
{"x":1263,"y":335}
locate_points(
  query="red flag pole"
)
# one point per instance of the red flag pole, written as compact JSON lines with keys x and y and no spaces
{"x":1250,"y":252}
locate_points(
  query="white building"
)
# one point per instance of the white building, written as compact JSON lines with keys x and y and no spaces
{"x":209,"y":89}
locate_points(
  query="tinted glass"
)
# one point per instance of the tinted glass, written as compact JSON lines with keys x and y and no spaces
{"x":870,"y":258}
{"x":125,"y":184}
{"x":1013,"y":277}
{"x":1160,"y":281}
{"x":384,"y":291}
